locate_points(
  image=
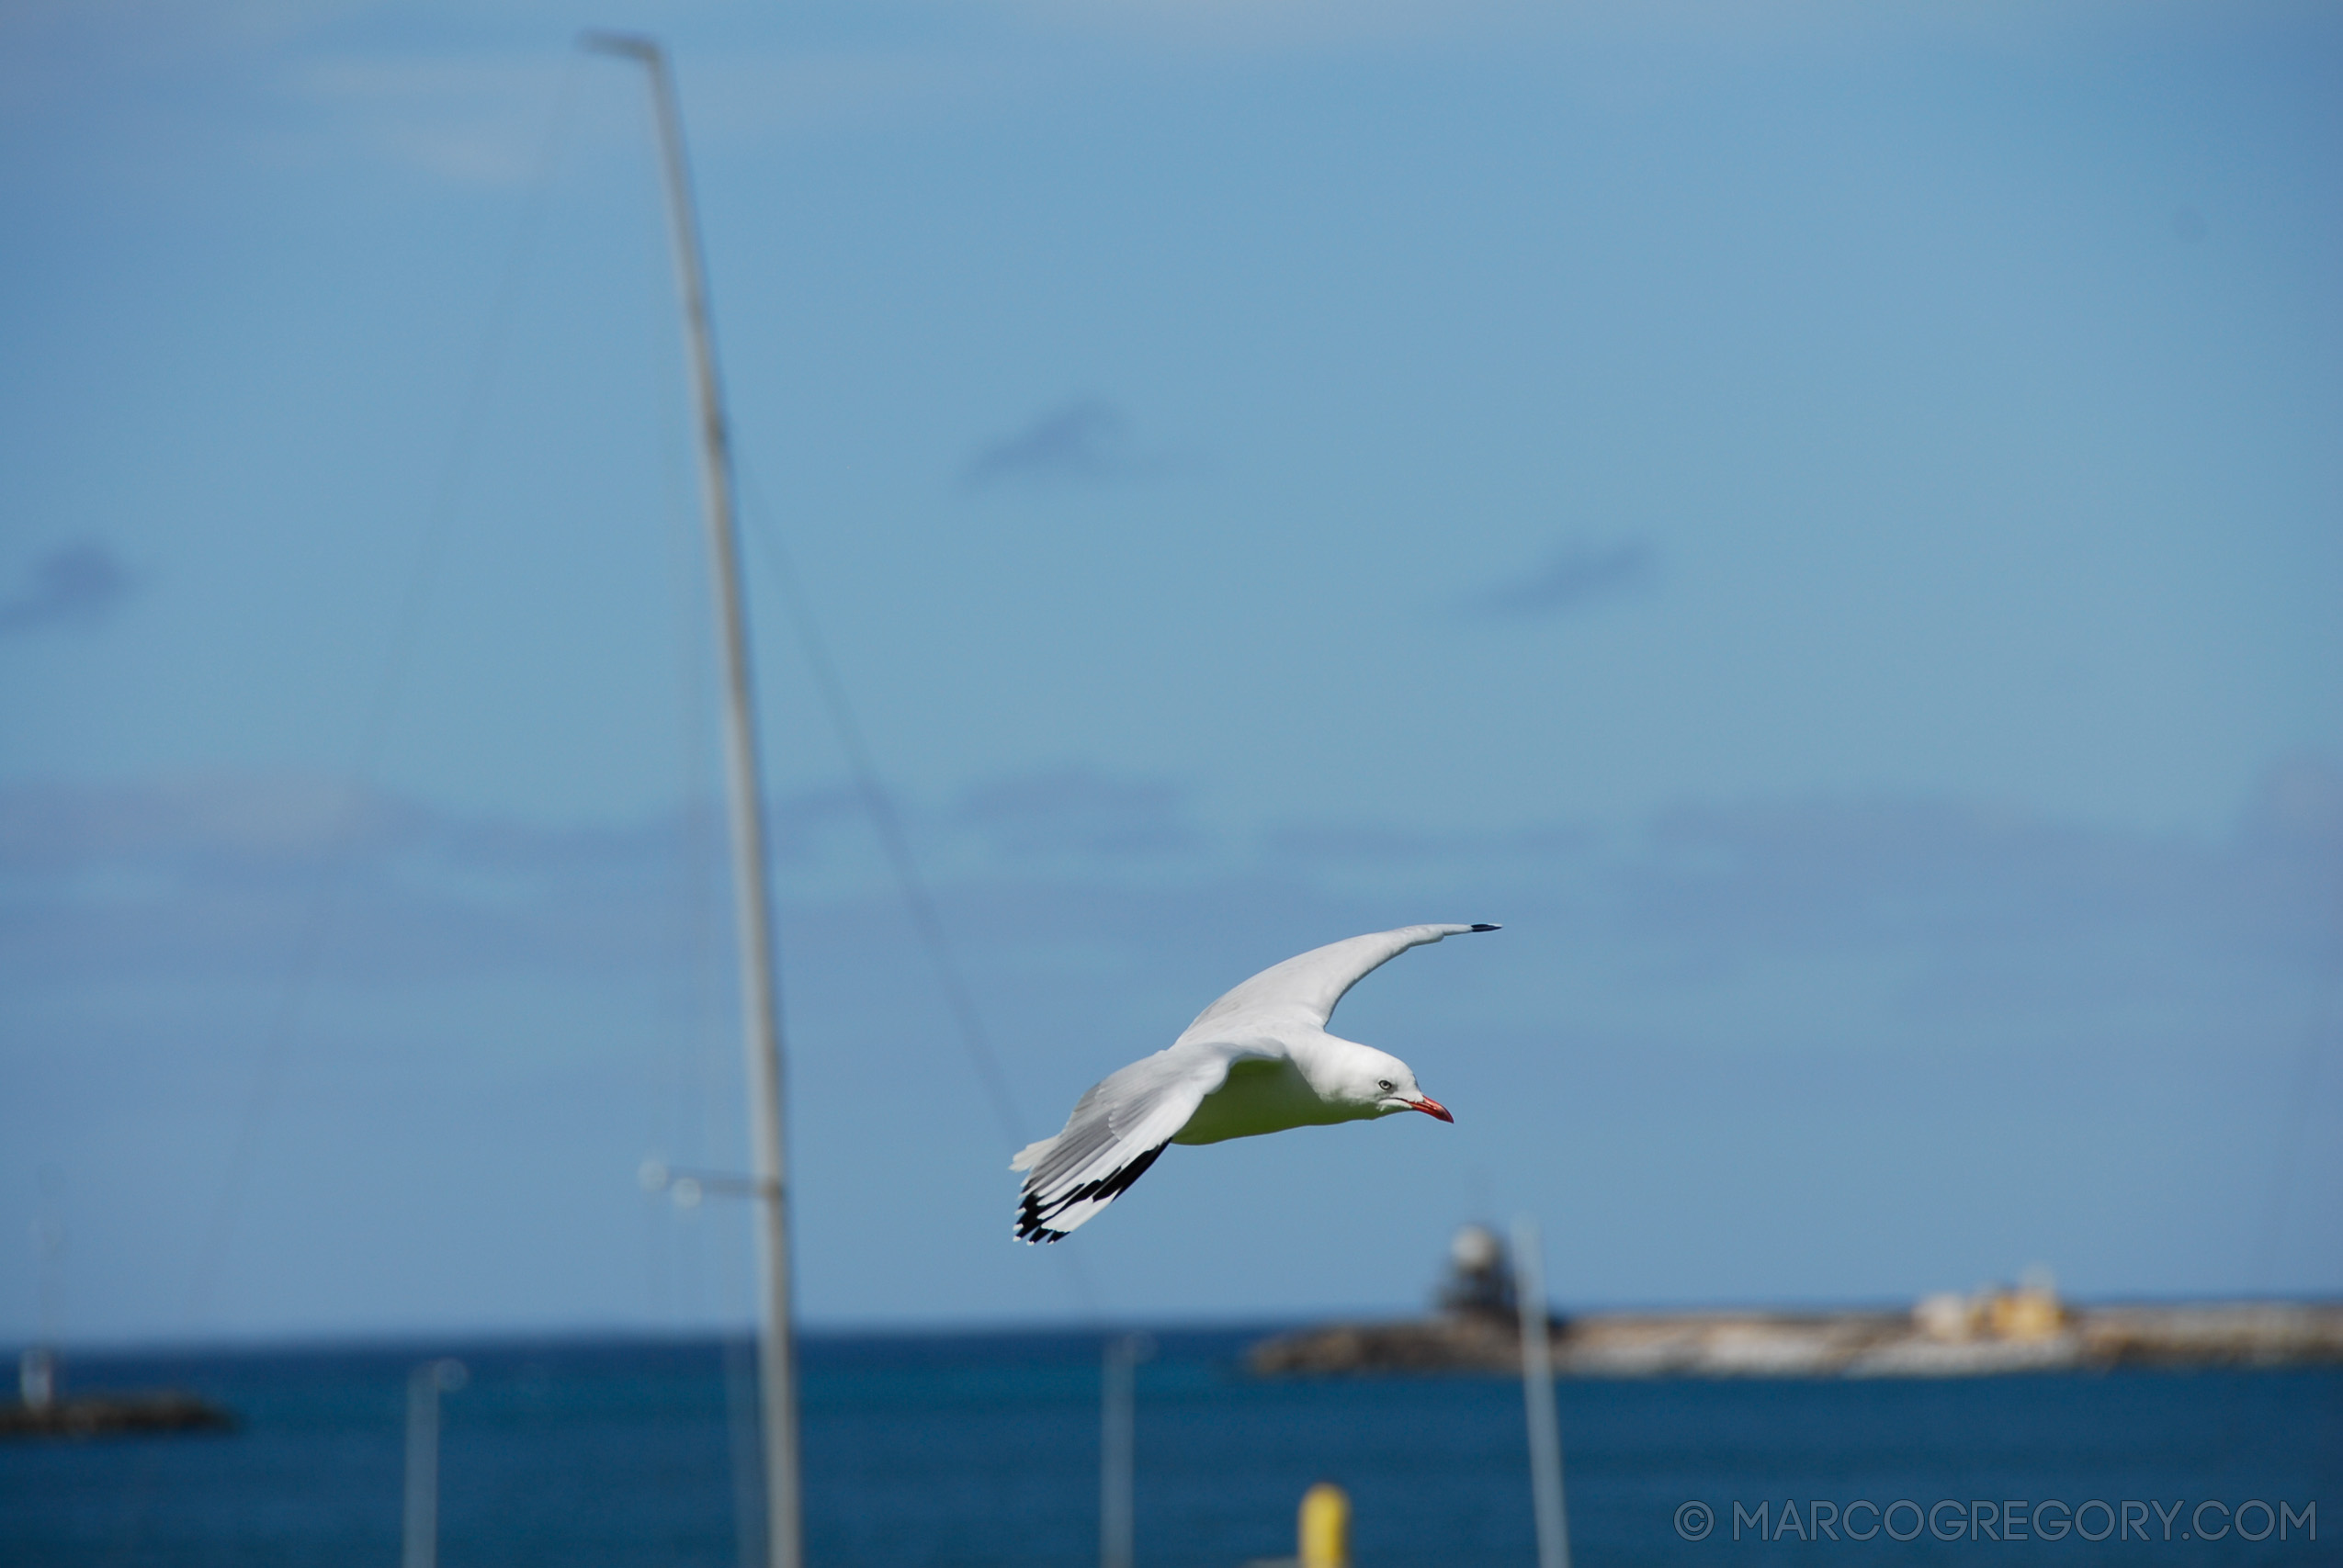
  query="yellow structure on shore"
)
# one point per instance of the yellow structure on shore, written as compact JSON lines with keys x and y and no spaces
{"x":2031,"y":1312}
{"x":1325,"y":1533}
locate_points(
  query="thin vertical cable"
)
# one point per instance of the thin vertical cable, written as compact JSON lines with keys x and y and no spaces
{"x":1538,"y":1395}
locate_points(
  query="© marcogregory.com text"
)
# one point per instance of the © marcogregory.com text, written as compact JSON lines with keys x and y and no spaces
{"x":2052,"y":1519}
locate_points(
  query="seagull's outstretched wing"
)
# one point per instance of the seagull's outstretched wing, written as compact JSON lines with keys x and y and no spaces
{"x":1304,"y":990}
{"x":1114,"y":1133}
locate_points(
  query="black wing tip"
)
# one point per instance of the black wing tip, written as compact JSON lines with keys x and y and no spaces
{"x":1033,"y":1226}
{"x":1030,"y":1228}
{"x":1484,"y":928}
{"x":1033,"y":1223}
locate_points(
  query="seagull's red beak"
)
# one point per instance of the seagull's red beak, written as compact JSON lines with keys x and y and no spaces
{"x":1431,"y":1107}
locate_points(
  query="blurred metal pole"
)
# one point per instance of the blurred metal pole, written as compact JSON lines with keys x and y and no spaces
{"x":1538,"y":1395}
{"x":753,"y":894}
{"x":419,"y":1536}
{"x":1119,"y":1405}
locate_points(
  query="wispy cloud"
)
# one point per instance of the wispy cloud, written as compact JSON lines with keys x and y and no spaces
{"x":1087,"y":439}
{"x":1078,"y":812}
{"x":77,"y":586}
{"x":1956,"y":890}
{"x":1236,"y":26}
{"x":1904,"y":987}
{"x":1574,"y":576}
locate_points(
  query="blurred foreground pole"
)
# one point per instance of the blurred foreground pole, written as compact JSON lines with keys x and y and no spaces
{"x":37,"y":1377}
{"x":1538,"y":1393}
{"x":420,"y":1535}
{"x":1118,"y":1400}
{"x":753,"y":893}
{"x":1325,"y":1528}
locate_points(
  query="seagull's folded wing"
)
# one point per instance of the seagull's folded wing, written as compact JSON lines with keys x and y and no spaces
{"x":1304,"y":990}
{"x":1114,"y":1133}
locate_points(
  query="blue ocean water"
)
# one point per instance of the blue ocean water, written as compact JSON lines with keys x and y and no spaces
{"x":983,"y":1449}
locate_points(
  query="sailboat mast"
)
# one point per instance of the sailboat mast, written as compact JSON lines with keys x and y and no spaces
{"x":759,"y":998}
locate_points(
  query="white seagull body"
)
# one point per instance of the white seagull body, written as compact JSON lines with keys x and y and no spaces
{"x":1258,"y":1060}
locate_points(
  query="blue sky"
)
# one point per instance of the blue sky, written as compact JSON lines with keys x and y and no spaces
{"x":1822,"y":519}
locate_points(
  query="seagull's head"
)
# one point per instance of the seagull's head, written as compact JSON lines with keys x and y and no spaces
{"x":1385,"y":1083}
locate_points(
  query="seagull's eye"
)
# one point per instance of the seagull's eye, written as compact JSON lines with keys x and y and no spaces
{"x":1386,"y":1085}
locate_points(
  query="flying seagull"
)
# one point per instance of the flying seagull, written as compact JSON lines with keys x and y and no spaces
{"x":1258,"y":1060}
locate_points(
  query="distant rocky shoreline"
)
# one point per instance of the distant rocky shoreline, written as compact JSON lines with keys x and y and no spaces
{"x":1845,"y":1343}
{"x":1996,"y":1330}
{"x":98,"y":1415}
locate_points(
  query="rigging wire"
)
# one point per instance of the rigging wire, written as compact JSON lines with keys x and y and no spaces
{"x":2310,"y":1060}
{"x":885,"y":821}
{"x":2308,"y":1064}
{"x":332,"y":879}
{"x":680,"y":1112}
{"x":702,"y":1071}
{"x":327,"y":886}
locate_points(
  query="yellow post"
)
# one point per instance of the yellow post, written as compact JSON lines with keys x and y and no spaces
{"x":1325,"y":1527}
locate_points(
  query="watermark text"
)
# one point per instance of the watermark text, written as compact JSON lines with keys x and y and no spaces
{"x":1999,"y":1520}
